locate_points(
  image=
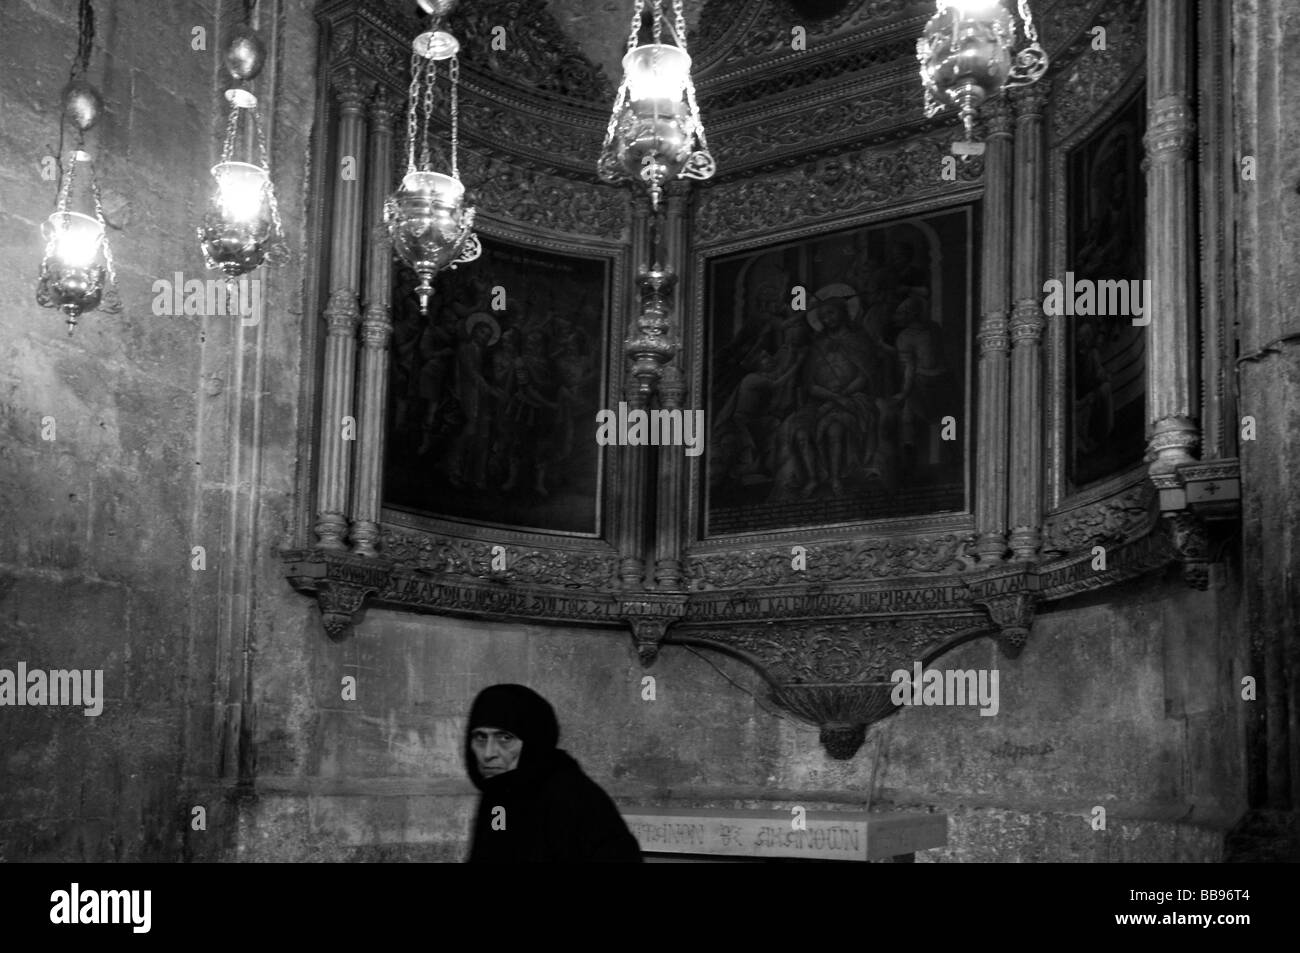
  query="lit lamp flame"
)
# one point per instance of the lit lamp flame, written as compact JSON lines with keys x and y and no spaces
{"x":75,"y":239}
{"x":657,"y":72}
{"x":241,"y":191}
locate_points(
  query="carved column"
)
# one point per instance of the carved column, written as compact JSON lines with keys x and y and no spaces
{"x":1026,"y":448}
{"x":376,"y":332}
{"x":994,"y":342}
{"x":632,"y":460}
{"x":341,"y":317}
{"x":672,"y":390}
{"x":1171,"y":238}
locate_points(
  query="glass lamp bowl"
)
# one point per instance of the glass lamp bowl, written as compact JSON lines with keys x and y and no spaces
{"x":656,"y":71}
{"x":965,"y":54}
{"x":431,"y":227}
{"x":241,"y":191}
{"x":74,"y":238}
{"x":651,"y":144}
{"x":236,"y":229}
{"x":655,"y":130}
{"x":73,"y":271}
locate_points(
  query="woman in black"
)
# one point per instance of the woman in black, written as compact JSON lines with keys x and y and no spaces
{"x":537,"y":804}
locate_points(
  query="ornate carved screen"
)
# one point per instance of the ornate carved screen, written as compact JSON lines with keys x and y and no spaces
{"x":902,"y":449}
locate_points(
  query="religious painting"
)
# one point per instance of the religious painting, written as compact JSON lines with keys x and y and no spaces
{"x":838,"y":376}
{"x":493,"y":392}
{"x":1106,"y":354}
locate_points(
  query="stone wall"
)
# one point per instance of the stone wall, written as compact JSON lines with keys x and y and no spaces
{"x":170,"y":432}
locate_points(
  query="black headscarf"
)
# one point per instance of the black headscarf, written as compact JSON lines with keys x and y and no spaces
{"x":526,"y":715}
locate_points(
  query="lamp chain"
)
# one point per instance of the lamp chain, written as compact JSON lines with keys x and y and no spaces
{"x":65,"y":194}
{"x":659,"y":21}
{"x":232,"y":131}
{"x":264,"y":153}
{"x":412,"y":100}
{"x":618,"y":110}
{"x":99,"y":216}
{"x":1027,"y":18}
{"x":85,"y":38}
{"x":695,"y":112}
{"x":680,"y":25}
{"x":635,"y":32}
{"x":453,"y":73}
{"x":430,"y":79}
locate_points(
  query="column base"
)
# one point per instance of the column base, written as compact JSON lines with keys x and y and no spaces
{"x":991,"y":548}
{"x":1173,"y":443}
{"x":365,"y":538}
{"x":330,"y":529}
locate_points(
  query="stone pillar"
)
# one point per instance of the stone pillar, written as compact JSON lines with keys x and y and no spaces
{"x":376,"y":332}
{"x":632,"y":461}
{"x":341,"y":317}
{"x":1027,"y":407}
{"x":994,"y":342}
{"x":1172,"y":374}
{"x":1268,"y":374}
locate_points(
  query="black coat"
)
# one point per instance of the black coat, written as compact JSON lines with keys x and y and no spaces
{"x":562,"y":815}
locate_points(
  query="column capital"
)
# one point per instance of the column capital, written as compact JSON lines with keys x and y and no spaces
{"x":993,"y":334}
{"x":1171,"y":128}
{"x":1027,"y":322}
{"x":383,"y":107}
{"x":350,"y":89}
{"x":376,"y":326}
{"x":342,"y":313}
{"x":1029,"y":101}
{"x":672,"y":388}
{"x":678,"y":188}
{"x":998,"y":118}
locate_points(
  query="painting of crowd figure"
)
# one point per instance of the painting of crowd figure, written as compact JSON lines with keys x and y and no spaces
{"x":493,"y":389}
{"x":835,"y":411}
{"x":1107,"y":241}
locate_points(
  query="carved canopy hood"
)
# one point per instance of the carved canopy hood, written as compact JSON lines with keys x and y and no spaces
{"x":806,"y":142}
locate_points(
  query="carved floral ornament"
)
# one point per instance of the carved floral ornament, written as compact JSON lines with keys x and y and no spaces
{"x":826,"y":629}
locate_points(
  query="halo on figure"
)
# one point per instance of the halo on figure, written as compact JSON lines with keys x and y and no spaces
{"x":482,"y":317}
